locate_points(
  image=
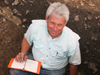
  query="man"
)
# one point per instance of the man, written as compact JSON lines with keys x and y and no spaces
{"x":54,"y":44}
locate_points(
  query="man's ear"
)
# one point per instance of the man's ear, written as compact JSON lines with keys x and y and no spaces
{"x":46,"y":19}
{"x":65,"y":23}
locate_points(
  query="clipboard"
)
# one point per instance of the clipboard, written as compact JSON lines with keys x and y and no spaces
{"x":28,"y":65}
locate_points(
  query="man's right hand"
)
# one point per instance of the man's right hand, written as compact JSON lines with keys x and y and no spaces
{"x":20,"y":57}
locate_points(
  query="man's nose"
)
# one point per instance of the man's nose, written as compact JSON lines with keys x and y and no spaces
{"x":55,"y":28}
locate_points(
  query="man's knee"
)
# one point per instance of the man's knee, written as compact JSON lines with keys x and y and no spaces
{"x":13,"y":72}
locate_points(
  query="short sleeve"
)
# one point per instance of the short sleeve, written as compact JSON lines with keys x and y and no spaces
{"x":74,"y":54}
{"x":28,"y":34}
{"x":33,"y":30}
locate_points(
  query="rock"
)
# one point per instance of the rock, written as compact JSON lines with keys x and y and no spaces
{"x":24,"y":20}
{"x":66,"y":1}
{"x":16,"y":2}
{"x":76,"y":18}
{"x":86,"y":62}
{"x":24,"y":1}
{"x":85,"y":25}
{"x":85,"y":18}
{"x":88,"y":43}
{"x":4,"y":19}
{"x":15,"y":10}
{"x":19,"y":14}
{"x":96,"y":17}
{"x":21,"y":3}
{"x":27,"y":11}
{"x":8,"y":14}
{"x":23,"y":26}
{"x":92,"y":4}
{"x":94,"y":38}
{"x":82,"y":4}
{"x":87,"y":51}
{"x":6,"y":2}
{"x":93,"y":67}
{"x":89,"y":17}
{"x":31,"y":1}
{"x":77,"y":6}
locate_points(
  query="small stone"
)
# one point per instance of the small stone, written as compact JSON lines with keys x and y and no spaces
{"x":82,"y":4}
{"x":93,"y":67}
{"x":24,"y":20}
{"x":96,"y":17}
{"x":91,"y":4}
{"x":24,"y":1}
{"x":76,"y":18}
{"x":16,"y":2}
{"x":85,"y":26}
{"x":23,"y":26}
{"x":94,"y":38}
{"x":12,"y":3}
{"x":66,"y":1}
{"x":89,"y":26}
{"x":87,"y":51}
{"x":27,"y":11}
{"x":19,"y":14}
{"x":85,"y":18}
{"x":77,"y":6}
{"x":86,"y":62}
{"x":98,"y":24}
{"x":15,"y":10}
{"x":21,"y":3}
{"x":6,"y":1}
{"x":4,"y":19}
{"x":89,"y":17}
{"x":31,"y":1}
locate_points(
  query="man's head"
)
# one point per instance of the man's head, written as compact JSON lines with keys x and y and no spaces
{"x":57,"y":16}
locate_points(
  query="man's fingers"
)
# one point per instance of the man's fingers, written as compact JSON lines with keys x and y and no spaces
{"x":19,"y":57}
{"x":25,"y":57}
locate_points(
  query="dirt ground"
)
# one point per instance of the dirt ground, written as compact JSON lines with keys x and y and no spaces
{"x":16,"y":16}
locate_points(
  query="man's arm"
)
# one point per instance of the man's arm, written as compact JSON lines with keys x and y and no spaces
{"x":24,"y":48}
{"x":73,"y":69}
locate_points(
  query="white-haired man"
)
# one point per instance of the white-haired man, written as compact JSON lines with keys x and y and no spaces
{"x":54,"y":44}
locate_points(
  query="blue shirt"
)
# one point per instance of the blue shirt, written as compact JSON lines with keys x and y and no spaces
{"x":53,"y":53}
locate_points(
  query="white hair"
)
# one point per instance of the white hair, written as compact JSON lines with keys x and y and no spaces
{"x":58,"y":9}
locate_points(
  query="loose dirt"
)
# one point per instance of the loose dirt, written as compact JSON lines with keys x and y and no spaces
{"x":16,"y":16}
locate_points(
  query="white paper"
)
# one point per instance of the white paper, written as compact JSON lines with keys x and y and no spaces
{"x":16,"y":64}
{"x":31,"y":65}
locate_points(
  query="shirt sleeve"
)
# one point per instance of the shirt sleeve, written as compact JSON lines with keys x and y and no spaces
{"x":28,"y":35}
{"x":74,"y":54}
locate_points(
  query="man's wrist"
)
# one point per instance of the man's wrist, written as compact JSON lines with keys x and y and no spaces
{"x":22,"y":53}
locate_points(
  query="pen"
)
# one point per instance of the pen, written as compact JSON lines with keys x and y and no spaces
{"x":24,"y":55}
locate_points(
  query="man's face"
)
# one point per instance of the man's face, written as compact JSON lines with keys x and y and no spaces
{"x":55,"y":25}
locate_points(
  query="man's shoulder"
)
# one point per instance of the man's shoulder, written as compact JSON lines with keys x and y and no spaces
{"x":71,"y":34}
{"x":37,"y":26}
{"x":39,"y":22}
